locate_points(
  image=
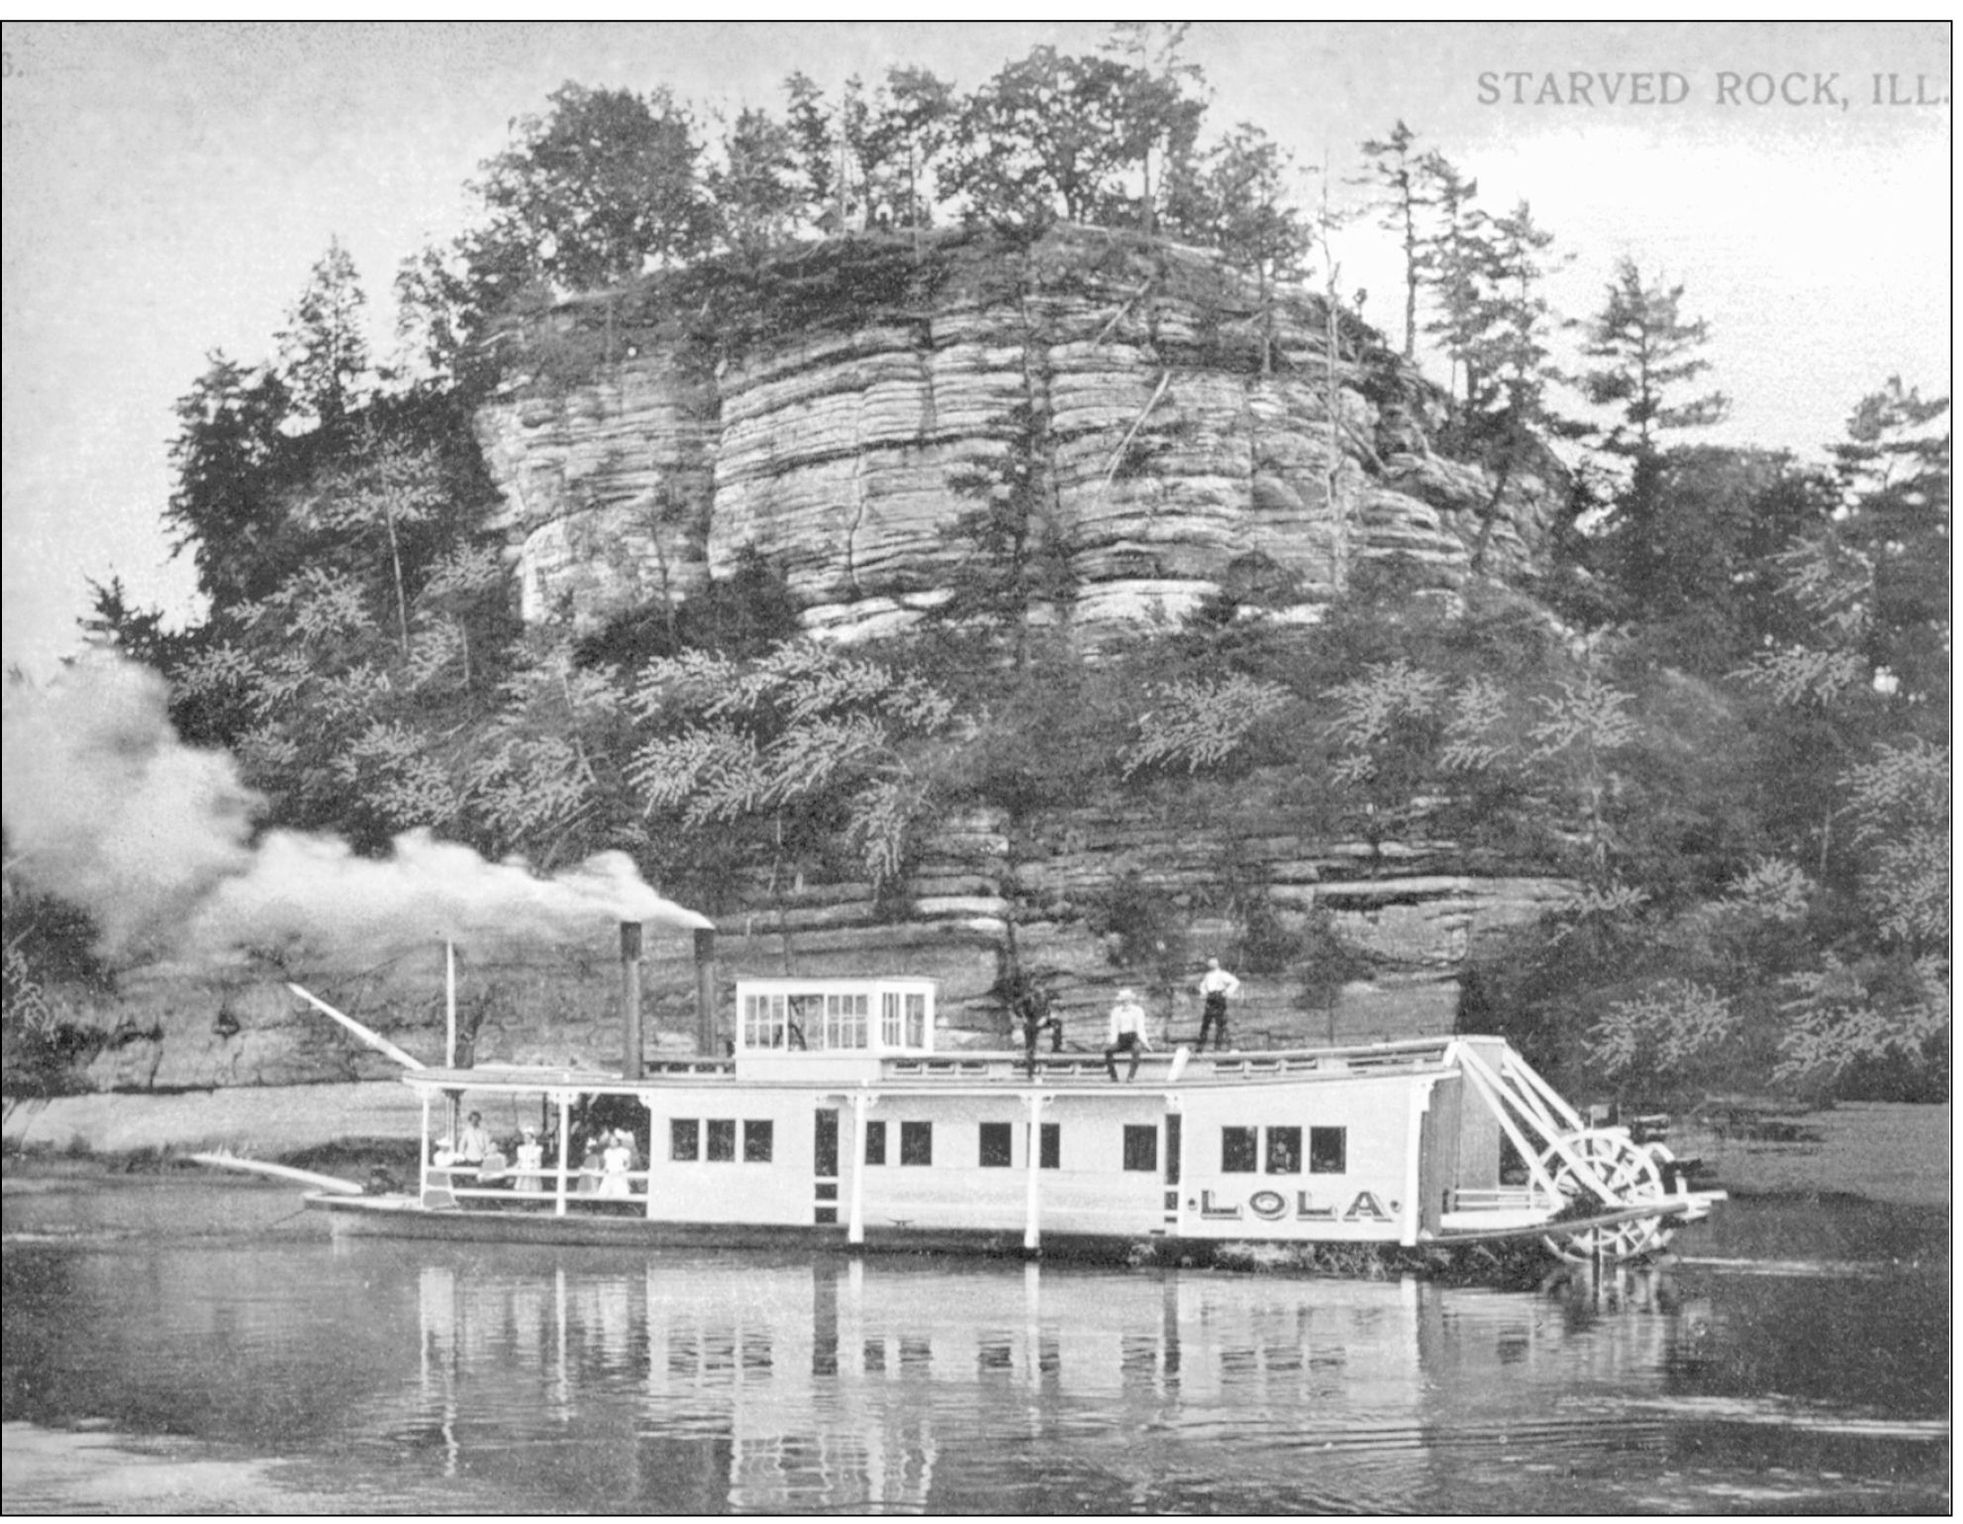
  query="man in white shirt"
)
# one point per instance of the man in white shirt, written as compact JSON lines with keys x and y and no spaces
{"x":1216,"y":984}
{"x":1127,"y":1033}
{"x":474,"y":1142}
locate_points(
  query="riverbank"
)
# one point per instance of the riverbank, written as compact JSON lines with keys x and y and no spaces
{"x":1878,"y":1151}
{"x":263,"y":1121}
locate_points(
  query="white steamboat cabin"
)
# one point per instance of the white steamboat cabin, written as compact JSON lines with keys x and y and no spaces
{"x":835,"y":1120}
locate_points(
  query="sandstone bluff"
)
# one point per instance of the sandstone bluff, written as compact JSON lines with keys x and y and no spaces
{"x":1190,"y":438}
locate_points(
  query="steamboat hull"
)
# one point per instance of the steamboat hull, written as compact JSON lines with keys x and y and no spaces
{"x":405,"y":1217}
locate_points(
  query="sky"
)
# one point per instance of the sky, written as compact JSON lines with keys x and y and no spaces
{"x":168,"y":188}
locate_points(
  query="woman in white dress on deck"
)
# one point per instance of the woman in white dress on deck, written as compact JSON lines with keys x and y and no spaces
{"x":530,"y":1159}
{"x":617,"y":1159}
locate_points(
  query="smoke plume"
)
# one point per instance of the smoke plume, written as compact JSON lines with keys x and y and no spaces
{"x":107,"y":809}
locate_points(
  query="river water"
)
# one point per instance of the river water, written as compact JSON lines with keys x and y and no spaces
{"x":177,"y":1345}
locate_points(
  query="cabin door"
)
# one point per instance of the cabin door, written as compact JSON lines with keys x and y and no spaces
{"x":824,"y":1165}
{"x":1173,"y":1140}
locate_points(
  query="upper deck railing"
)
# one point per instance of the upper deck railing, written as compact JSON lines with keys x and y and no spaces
{"x":996,"y":1067}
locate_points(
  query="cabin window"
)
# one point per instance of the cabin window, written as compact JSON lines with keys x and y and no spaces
{"x":1142,"y":1147}
{"x":996,"y":1145}
{"x":757,"y":1139}
{"x":1050,"y":1142}
{"x":916,"y":1142}
{"x":875,"y":1142}
{"x":1173,"y":1136}
{"x":1284,"y":1150}
{"x":807,"y":1021}
{"x":764,"y":1021}
{"x":722,"y":1140}
{"x":845,"y":1021}
{"x":890,"y":1029}
{"x":1329,"y":1150}
{"x":824,"y":1142}
{"x":1237,"y":1150}
{"x":685,"y":1139}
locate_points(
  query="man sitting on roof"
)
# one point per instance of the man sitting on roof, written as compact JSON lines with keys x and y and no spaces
{"x":1127,"y":1033}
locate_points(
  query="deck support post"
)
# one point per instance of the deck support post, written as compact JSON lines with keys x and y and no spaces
{"x":1032,"y":1228}
{"x":564,"y":1100}
{"x":1414,"y":1164}
{"x":855,"y":1214}
{"x":422,"y":1163}
{"x":647,"y":1104}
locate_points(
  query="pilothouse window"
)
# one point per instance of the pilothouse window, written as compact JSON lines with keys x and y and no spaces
{"x":834,"y":1015}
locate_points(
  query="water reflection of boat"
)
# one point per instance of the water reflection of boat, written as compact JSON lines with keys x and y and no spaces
{"x":835,"y":1121}
{"x":847,"y":1384}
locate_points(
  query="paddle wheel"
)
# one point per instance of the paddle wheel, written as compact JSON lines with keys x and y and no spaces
{"x":1630,"y":1173}
{"x":1622,"y":1195}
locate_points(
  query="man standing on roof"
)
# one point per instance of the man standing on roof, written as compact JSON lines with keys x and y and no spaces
{"x":1127,"y":1033}
{"x":1216,"y":985}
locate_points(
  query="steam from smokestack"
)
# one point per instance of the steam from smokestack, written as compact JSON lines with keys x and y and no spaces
{"x":107,"y":809}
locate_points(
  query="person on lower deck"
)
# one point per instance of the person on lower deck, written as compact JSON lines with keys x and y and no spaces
{"x":615,"y":1161}
{"x":1216,"y":987}
{"x":1127,"y":1033}
{"x":531,"y":1163}
{"x":474,"y":1141}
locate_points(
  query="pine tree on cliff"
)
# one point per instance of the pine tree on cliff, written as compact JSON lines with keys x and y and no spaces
{"x":1894,"y":472}
{"x":1458,"y":260}
{"x":1646,"y":351}
{"x":1506,"y":355}
{"x":225,"y":507}
{"x":323,"y":350}
{"x":1396,"y":172}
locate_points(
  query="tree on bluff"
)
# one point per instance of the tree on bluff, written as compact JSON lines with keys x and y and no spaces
{"x":1647,"y":350}
{"x":600,"y":185}
{"x":224,"y":509}
{"x":1396,"y":172}
{"x":1237,"y":199}
{"x":1054,"y":132}
{"x":323,"y":350}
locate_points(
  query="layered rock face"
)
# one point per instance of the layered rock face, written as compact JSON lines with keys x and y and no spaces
{"x":1181,"y":439}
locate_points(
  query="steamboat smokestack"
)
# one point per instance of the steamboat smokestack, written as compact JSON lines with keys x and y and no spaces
{"x":633,"y":1049}
{"x":705,"y":992}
